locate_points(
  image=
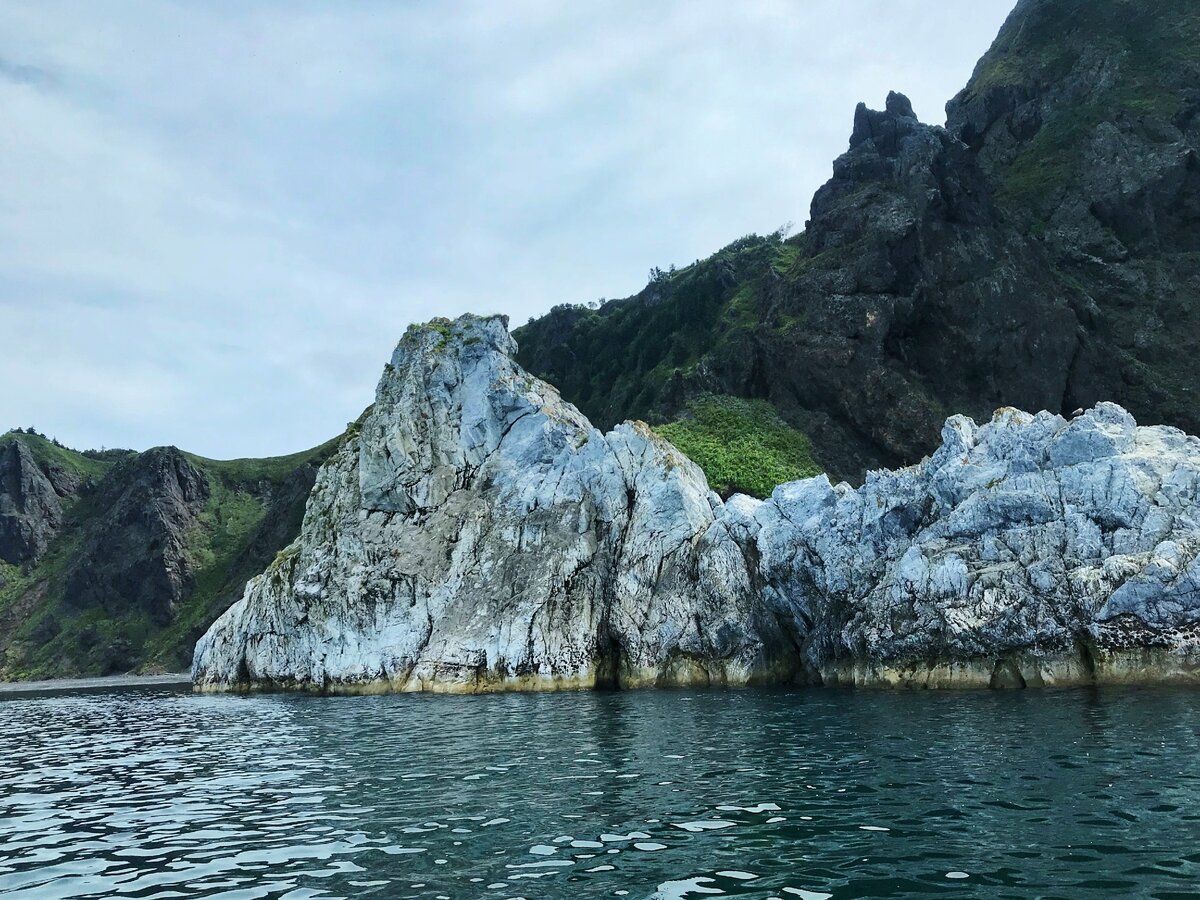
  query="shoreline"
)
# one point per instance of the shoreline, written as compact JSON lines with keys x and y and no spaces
{"x":52,"y":685}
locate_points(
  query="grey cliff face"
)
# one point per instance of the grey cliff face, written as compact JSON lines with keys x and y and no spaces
{"x":1028,"y":550}
{"x":31,"y":503}
{"x":478,"y":534}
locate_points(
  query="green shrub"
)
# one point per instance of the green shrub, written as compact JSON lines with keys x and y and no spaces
{"x":743,"y":446}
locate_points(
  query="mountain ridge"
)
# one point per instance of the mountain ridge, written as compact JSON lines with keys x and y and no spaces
{"x":1039,"y":251}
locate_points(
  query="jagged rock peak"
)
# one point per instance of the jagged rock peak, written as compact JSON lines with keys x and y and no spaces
{"x":899,"y":105}
{"x":885,"y":127}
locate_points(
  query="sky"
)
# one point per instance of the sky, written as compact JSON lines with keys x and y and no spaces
{"x":217,"y":219}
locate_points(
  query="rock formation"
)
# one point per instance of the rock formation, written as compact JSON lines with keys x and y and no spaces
{"x":1030,"y":550}
{"x":477,"y":533}
{"x":115,"y":560}
{"x":134,"y":555}
{"x":31,"y":503}
{"x":1041,"y":251}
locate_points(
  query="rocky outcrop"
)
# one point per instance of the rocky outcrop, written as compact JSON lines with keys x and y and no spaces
{"x":133,"y":555}
{"x":137,"y":554}
{"x":478,"y":534}
{"x":1083,"y":117}
{"x":1031,"y":550}
{"x":916,"y":300}
{"x":32,"y":501}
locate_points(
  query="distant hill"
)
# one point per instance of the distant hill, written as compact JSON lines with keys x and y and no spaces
{"x":118,"y":561}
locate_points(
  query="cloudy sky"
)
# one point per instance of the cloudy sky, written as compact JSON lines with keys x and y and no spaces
{"x":217,"y":218}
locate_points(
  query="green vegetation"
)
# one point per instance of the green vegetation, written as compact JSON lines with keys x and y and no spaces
{"x":33,"y":623}
{"x":1049,"y":161}
{"x":43,"y":635}
{"x":272,"y":469}
{"x":442,"y":327}
{"x":88,"y":466}
{"x":221,"y":534}
{"x":1153,"y":41}
{"x":628,"y":359}
{"x":743,"y":446}
{"x":634,"y":348}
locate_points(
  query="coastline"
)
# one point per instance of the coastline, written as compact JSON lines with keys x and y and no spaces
{"x":53,"y":685}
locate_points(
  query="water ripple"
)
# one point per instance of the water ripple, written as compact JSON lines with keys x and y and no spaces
{"x":145,"y":793}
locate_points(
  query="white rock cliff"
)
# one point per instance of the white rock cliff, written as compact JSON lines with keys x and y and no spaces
{"x":477,"y":533}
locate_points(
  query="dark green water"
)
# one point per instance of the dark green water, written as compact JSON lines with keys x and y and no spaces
{"x":158,"y":793}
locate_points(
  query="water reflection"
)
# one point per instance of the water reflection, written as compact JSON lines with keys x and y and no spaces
{"x":149,"y":793}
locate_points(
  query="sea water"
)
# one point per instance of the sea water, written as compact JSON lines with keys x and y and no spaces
{"x":153,"y":792}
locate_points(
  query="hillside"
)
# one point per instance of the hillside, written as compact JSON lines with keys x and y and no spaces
{"x":118,"y":561}
{"x":1040,"y":251}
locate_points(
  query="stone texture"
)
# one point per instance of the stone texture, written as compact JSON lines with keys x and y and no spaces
{"x":478,"y":534}
{"x":1083,"y":119}
{"x":133,"y":554}
{"x":1030,"y":547}
{"x":31,"y":503}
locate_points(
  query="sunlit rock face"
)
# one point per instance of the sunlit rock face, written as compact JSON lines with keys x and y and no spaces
{"x":477,"y":533}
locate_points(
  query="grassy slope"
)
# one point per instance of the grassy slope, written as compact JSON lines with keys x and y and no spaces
{"x":52,"y":640}
{"x":50,"y":455}
{"x":742,"y":445}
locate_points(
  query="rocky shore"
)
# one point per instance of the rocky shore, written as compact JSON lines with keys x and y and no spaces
{"x":476,"y":533}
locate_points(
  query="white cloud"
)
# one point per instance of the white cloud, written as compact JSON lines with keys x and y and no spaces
{"x":217,"y":218}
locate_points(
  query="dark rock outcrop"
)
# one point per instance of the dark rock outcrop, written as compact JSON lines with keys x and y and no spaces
{"x":134,"y":554}
{"x":1041,"y":251}
{"x":915,"y":299}
{"x":31,"y":502}
{"x":1083,"y":116}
